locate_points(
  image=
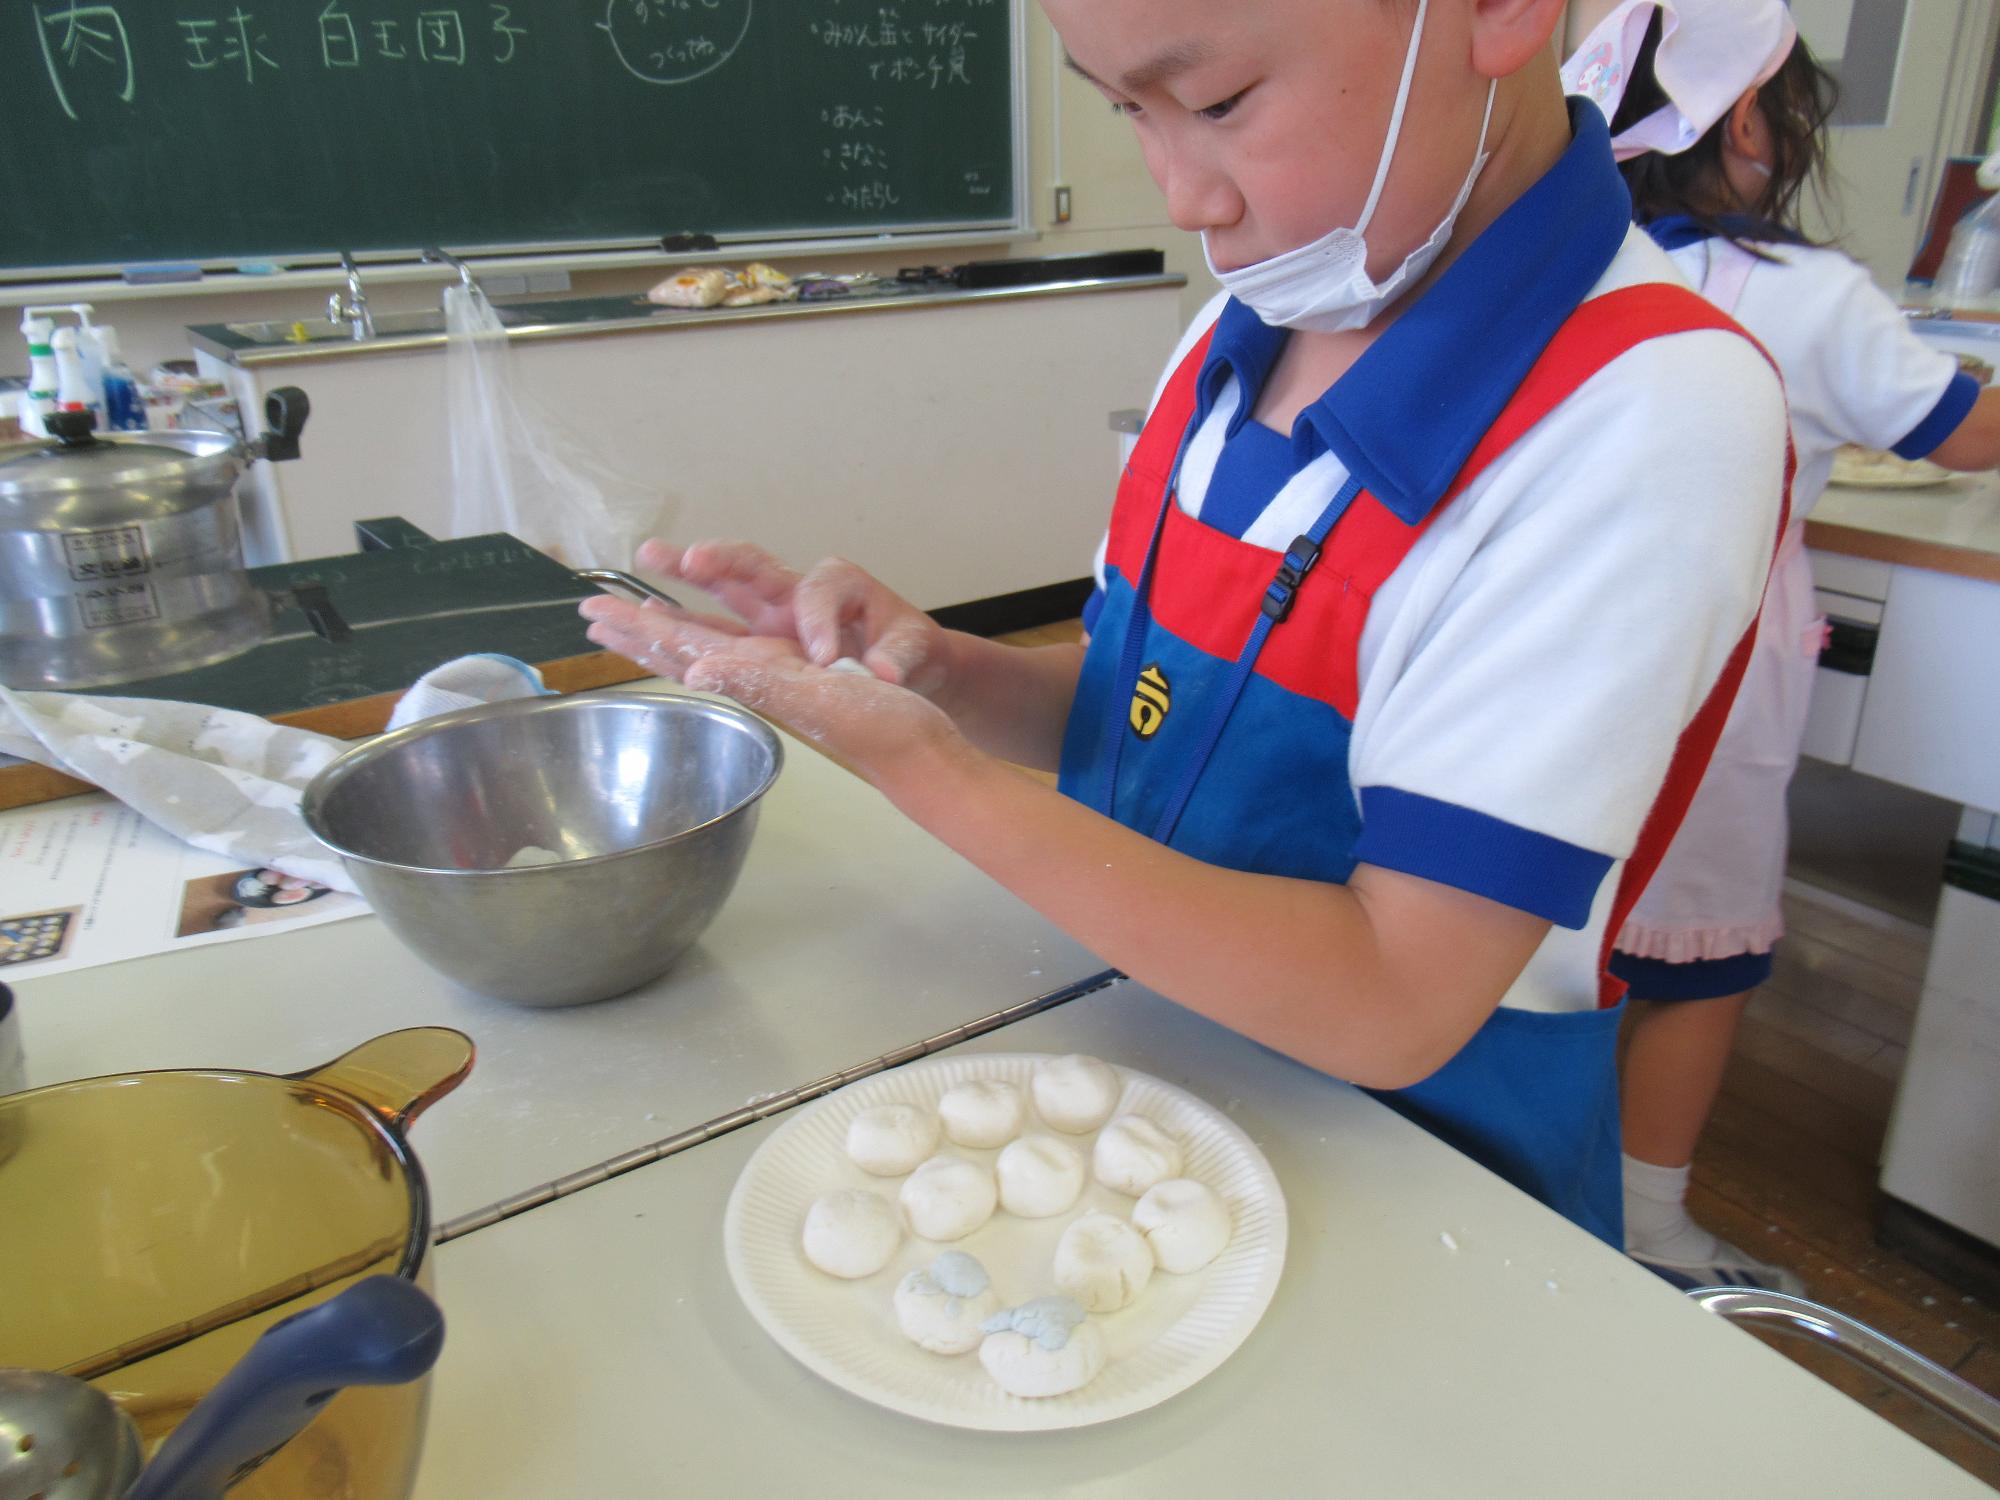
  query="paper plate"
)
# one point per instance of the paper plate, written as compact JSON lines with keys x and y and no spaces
{"x":1180,"y":1329}
{"x":1886,"y":472}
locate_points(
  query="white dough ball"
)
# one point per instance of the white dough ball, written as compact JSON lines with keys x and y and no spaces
{"x":851,"y":1233}
{"x":1043,"y":1348}
{"x":1039,"y":1176}
{"x":982,"y":1113}
{"x":944,"y":1307}
{"x":1186,"y":1222}
{"x":1133,"y":1154}
{"x":890,"y":1139}
{"x":948,"y":1197}
{"x":1103,"y":1262}
{"x":1076,"y":1093}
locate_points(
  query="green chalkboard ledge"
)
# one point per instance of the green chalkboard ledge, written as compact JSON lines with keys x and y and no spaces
{"x":358,"y":629}
{"x":316,"y":276}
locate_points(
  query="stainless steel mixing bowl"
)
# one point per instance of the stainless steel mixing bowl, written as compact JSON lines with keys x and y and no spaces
{"x":649,"y":800}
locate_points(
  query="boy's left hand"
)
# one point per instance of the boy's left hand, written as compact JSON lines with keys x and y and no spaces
{"x":855,"y":716}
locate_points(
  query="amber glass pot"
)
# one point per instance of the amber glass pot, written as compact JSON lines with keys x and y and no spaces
{"x":153,"y":1224}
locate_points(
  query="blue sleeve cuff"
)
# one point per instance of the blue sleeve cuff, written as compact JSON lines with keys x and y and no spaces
{"x":1456,"y":846}
{"x":1092,"y":608}
{"x":1951,"y":409}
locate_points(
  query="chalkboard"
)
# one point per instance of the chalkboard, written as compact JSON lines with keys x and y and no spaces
{"x":220,"y":130}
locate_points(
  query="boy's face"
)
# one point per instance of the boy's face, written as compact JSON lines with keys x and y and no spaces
{"x":1263,"y":120}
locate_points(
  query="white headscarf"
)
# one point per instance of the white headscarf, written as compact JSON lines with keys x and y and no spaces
{"x":1711,"y":53}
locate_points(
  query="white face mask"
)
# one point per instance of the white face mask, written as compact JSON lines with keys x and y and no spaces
{"x":1324,"y":287}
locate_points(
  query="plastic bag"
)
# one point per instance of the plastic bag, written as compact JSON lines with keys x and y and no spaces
{"x":517,"y":467}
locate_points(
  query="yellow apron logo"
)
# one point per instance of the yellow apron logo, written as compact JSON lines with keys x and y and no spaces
{"x":1151,"y":698}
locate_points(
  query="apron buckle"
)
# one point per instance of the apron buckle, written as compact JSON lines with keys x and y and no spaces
{"x":1299,"y":558}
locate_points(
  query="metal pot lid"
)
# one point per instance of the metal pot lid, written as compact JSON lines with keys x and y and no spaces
{"x":79,"y":459}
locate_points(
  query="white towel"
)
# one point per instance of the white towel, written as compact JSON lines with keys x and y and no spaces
{"x":221,"y":780}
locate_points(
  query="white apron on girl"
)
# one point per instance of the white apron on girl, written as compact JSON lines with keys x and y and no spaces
{"x":1853,"y":373}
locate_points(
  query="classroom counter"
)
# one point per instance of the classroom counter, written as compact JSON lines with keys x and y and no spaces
{"x":276,"y":342}
{"x":1952,"y":527}
{"x":1436,"y":1335}
{"x":1435,"y":1332}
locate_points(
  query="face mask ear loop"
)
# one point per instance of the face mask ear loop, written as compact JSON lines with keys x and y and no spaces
{"x":1395,"y":119}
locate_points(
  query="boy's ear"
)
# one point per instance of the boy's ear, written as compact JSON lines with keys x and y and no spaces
{"x":1507,"y":35}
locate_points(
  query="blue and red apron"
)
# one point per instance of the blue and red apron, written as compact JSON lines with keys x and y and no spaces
{"x":1215,"y":716}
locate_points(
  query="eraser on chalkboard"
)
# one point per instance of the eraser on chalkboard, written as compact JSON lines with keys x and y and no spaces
{"x":676,"y":244}
{"x":161,"y":271}
{"x":258,"y":268}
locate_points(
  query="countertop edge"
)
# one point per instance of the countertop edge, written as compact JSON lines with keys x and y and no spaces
{"x":669,"y":320}
{"x":1910,"y":552}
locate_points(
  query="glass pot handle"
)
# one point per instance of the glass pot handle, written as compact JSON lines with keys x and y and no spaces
{"x":398,"y":1075}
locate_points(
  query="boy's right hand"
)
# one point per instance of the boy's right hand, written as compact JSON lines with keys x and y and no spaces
{"x":833,"y":609}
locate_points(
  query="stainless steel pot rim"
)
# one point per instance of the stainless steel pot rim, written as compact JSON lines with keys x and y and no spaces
{"x":191,"y":456}
{"x":323,"y":784}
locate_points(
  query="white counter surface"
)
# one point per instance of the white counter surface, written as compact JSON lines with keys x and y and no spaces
{"x":851,"y":932}
{"x":597,"y":1346}
{"x":1953,"y":527}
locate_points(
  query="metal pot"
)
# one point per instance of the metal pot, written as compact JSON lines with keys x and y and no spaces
{"x":121,"y":557}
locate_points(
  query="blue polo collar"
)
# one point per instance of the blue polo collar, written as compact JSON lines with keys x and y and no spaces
{"x":1408,"y":413}
{"x":1672,"y":231}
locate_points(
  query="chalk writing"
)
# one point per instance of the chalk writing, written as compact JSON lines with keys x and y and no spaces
{"x":871,"y":196}
{"x":851,"y":117}
{"x":231,"y":43}
{"x":674,"y":41}
{"x":508,"y":35}
{"x":441,"y":37}
{"x":855,"y":156}
{"x":84,"y":35}
{"x":339,"y":46}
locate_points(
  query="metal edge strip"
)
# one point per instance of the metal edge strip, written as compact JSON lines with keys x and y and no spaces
{"x":764,"y":1109}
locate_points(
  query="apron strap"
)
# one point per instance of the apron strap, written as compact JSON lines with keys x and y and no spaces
{"x":1298,"y":561}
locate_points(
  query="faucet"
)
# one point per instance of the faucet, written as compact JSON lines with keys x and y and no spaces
{"x":439,"y":257}
{"x":354,"y":312}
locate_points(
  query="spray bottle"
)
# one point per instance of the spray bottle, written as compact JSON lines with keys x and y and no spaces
{"x":40,"y":397}
{"x":124,"y":410}
{"x":73,"y":391}
{"x":91,"y":353}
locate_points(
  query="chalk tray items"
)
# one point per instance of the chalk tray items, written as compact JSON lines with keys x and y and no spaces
{"x":122,"y":557}
{"x":715,"y":286}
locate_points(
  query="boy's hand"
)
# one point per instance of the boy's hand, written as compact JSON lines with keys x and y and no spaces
{"x":863,"y":720}
{"x":834,"y":609}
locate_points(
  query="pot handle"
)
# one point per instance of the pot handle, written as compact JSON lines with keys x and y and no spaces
{"x":401,"y":1074}
{"x":612,"y":581}
{"x":285,"y":410}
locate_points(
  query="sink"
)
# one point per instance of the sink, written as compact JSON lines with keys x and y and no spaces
{"x":322,"y":330}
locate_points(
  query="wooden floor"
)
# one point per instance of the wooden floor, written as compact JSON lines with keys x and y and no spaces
{"x":1788,"y":1165}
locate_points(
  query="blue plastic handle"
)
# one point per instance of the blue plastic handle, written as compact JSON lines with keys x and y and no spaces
{"x":382,"y":1331}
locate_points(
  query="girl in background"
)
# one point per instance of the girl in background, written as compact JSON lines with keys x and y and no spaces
{"x":1718,"y":119}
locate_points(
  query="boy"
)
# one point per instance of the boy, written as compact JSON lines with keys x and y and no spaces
{"x":1499,"y":500}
